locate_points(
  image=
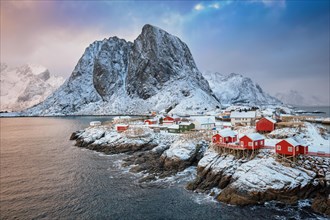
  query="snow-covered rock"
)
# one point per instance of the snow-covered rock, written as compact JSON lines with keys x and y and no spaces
{"x":251,"y":181}
{"x":237,"y":89}
{"x":181,"y":150}
{"x":157,"y":72}
{"x":25,"y":86}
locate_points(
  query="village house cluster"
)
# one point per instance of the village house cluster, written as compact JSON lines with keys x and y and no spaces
{"x":227,"y":129}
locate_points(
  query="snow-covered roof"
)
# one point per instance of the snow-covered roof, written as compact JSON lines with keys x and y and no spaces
{"x":151,"y":119}
{"x":292,"y":141}
{"x":204,"y":119}
{"x":121,"y":125}
{"x":243,"y":114}
{"x":173,"y":127}
{"x":227,"y":133}
{"x":270,"y":119}
{"x":185,"y":123}
{"x":255,"y":136}
{"x":295,"y":141}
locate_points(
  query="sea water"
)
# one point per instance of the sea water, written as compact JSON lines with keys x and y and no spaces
{"x":44,"y":176}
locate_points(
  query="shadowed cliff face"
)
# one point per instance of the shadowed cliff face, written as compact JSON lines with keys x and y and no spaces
{"x":110,"y":67}
{"x":157,"y":58}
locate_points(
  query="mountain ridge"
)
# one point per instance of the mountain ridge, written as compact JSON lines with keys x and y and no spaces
{"x":154,"y":73}
{"x":26,"y":85}
{"x":235,"y":88}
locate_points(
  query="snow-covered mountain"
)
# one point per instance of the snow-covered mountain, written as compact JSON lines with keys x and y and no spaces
{"x":295,"y":98}
{"x":155,"y":72}
{"x":237,"y":89}
{"x":25,"y":86}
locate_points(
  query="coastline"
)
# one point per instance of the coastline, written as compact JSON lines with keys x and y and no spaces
{"x":163,"y":155}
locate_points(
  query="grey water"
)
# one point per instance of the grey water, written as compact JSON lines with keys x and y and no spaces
{"x":44,"y":176}
{"x":325,"y":110}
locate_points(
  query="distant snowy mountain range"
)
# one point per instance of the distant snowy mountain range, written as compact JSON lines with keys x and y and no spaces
{"x":154,"y":73}
{"x":236,"y":89}
{"x":297,"y":99}
{"x":25,"y":86}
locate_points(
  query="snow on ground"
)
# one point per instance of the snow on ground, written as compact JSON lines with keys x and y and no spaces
{"x":208,"y":158}
{"x":283,"y":132}
{"x":315,"y":141}
{"x":183,"y":150}
{"x":271,"y":142}
{"x":266,"y":173}
{"x":245,"y":130}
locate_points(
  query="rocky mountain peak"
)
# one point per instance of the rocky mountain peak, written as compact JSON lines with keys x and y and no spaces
{"x":155,"y":72}
{"x":157,"y":58}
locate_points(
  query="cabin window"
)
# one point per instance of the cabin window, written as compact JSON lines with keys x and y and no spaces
{"x":226,"y":139}
{"x":242,"y":143}
{"x":261,"y":142}
{"x":278,"y":147}
{"x":297,"y":148}
{"x":256,"y":143}
{"x":290,"y":149}
{"x":250,"y":144}
{"x":221,"y":139}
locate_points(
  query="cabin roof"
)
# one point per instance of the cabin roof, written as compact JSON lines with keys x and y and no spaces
{"x":255,"y":136}
{"x":173,"y":127}
{"x":243,"y":114}
{"x":270,"y":119}
{"x":227,"y":133}
{"x":204,"y":119}
{"x":292,"y":141}
{"x":185,"y":123}
{"x":121,"y":125}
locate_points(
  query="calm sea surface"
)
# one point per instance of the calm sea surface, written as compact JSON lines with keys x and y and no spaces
{"x":43,"y":176}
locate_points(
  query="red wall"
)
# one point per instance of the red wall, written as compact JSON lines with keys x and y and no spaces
{"x":246,"y":140}
{"x":303,"y":149}
{"x":284,"y":148}
{"x":122,"y":128}
{"x":149,"y":122}
{"x":264,"y":125}
{"x":216,"y":139}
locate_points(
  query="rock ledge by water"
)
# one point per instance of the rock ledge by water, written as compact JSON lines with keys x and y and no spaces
{"x":237,"y":181}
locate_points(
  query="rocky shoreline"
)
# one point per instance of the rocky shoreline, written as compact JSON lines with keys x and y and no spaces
{"x":237,"y":181}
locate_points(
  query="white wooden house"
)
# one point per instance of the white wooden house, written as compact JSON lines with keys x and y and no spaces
{"x":243,"y":118}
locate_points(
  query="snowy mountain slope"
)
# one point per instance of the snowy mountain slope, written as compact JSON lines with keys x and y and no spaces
{"x":295,"y":98}
{"x":156,"y":72}
{"x":237,"y":89}
{"x":25,"y":86}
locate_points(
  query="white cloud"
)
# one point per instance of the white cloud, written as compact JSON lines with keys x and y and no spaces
{"x":199,"y":7}
{"x":215,"y":5}
{"x":270,"y":3}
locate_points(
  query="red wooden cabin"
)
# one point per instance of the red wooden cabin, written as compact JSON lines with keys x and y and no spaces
{"x":170,"y":120}
{"x":265,"y":125}
{"x":150,"y":122}
{"x":290,"y":147}
{"x":224,"y":137}
{"x":121,"y":127}
{"x":252,"y":141}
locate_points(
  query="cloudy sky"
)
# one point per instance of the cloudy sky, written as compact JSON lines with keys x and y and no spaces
{"x":280,"y":44}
